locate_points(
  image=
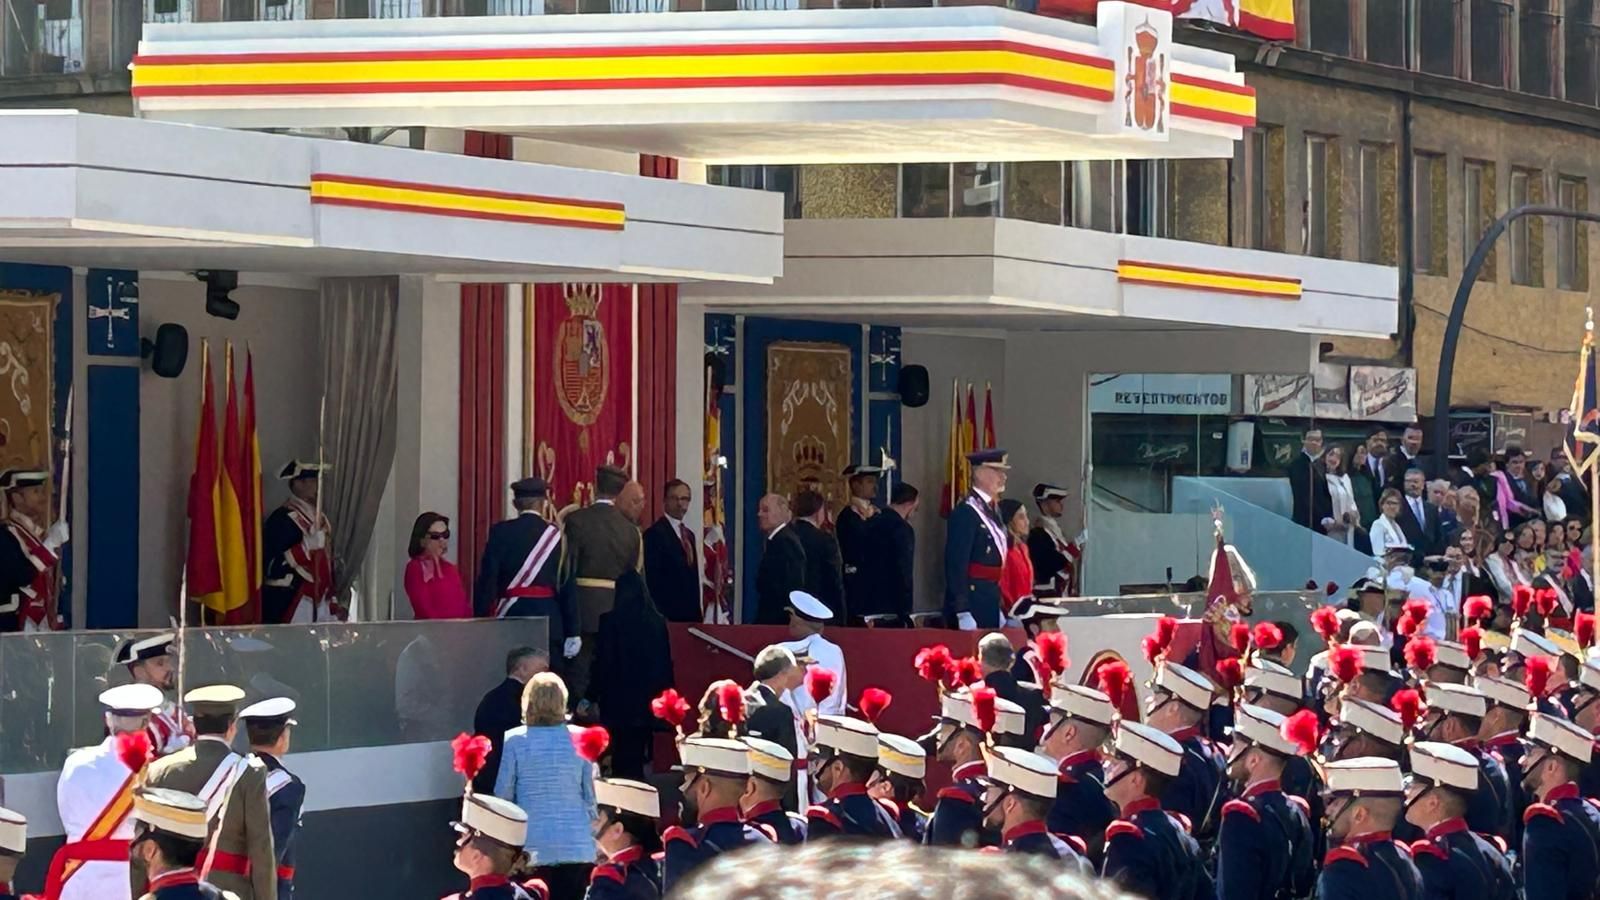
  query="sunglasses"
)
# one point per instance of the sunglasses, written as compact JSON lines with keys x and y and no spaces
{"x":439,"y":535}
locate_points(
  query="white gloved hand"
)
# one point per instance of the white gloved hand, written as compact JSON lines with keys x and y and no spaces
{"x":571,"y":646}
{"x":966,"y":622}
{"x":316,"y":540}
{"x":58,"y":534}
{"x":1082,"y":540}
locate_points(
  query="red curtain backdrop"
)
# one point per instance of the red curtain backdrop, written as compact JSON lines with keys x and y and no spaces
{"x":581,"y":374}
{"x":658,"y":372}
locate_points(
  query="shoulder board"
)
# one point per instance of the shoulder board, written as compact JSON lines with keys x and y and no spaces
{"x":537,"y":889}
{"x":1077,"y":843}
{"x":1066,"y":778}
{"x":1429,"y":848}
{"x":764,"y":828}
{"x":1403,"y":847}
{"x":825,"y":814}
{"x":1592,"y":802}
{"x":1183,"y":822}
{"x":678,"y":833}
{"x":1346,"y":854}
{"x":1301,"y":802}
{"x":955,"y":793}
{"x":1241,"y":806}
{"x":1498,"y":842}
{"x":889,"y":806}
{"x":658,"y":856}
{"x":610,"y":871}
{"x":1123,"y":826}
{"x":1536,"y":810}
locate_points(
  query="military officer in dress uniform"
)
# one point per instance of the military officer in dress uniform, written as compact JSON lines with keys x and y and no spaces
{"x":1055,"y":559}
{"x":1179,"y":706}
{"x":902,"y":768}
{"x":956,"y":740}
{"x":1455,"y":863}
{"x":525,"y":571}
{"x":1365,"y":729}
{"x":1148,"y":851}
{"x":1501,"y":734}
{"x":1524,"y":646}
{"x":1080,"y":722}
{"x":975,"y":547}
{"x":1455,"y":716}
{"x":234,"y":791}
{"x":169,"y":835}
{"x":602,"y":543}
{"x":771,"y":775}
{"x":1272,"y":686}
{"x":715,"y":773}
{"x":1364,"y":797}
{"x":13,"y":844}
{"x":93,"y":792}
{"x":1561,"y":831}
{"x":267,"y":726}
{"x":855,"y":542}
{"x":844,"y":757}
{"x":152,"y":661}
{"x":1036,"y":618}
{"x":1451,"y":663}
{"x":30,"y":554}
{"x":1020,"y":787}
{"x":297,"y":585}
{"x":1265,"y":843}
{"x":1586,"y":715}
{"x":625,"y":831}
{"x":493,"y":832}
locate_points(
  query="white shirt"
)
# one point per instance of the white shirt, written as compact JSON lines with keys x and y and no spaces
{"x":1342,"y":495}
{"x":1385,"y":533}
{"x":89,"y":781}
{"x":1417,"y":509}
{"x":826,"y":655}
{"x":1440,"y":600}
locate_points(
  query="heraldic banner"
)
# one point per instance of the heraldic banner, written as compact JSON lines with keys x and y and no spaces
{"x":579,"y":376}
{"x":808,"y":419}
{"x":27,"y":346}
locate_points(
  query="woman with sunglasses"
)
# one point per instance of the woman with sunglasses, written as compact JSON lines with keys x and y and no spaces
{"x":433,"y":583}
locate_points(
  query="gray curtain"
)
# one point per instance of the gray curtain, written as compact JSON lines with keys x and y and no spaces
{"x":358,"y":373}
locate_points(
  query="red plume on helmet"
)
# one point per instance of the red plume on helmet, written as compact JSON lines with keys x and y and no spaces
{"x":968,"y":671}
{"x":1521,"y":600}
{"x":1472,"y":642}
{"x":873,"y":702}
{"x":468,"y":754}
{"x":983,"y":708}
{"x":1052,"y":649}
{"x":591,"y":743}
{"x":1230,"y":673}
{"x":1155,"y":643}
{"x":1303,"y":730}
{"x":1536,"y":677}
{"x":670,"y":707}
{"x":1478,"y":608}
{"x":935,"y":664}
{"x":1545,"y":600}
{"x":1421,"y":653}
{"x":1325,"y":622}
{"x":1267,"y":636}
{"x":1115,"y":679}
{"x":1408,"y":703}
{"x":1346,"y":663}
{"x":730,"y":698}
{"x":1583,"y":630}
{"x":1239,"y":636}
{"x":819,"y":683}
{"x":1413,"y":615}
{"x":133,"y":748}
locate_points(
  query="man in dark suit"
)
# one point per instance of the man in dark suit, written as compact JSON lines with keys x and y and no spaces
{"x":671,"y":558}
{"x":996,"y":657}
{"x":1419,"y":519}
{"x":525,"y":570}
{"x":1409,"y":453}
{"x":1523,"y":490}
{"x":500,"y":710}
{"x":892,"y":561}
{"x":776,"y":673}
{"x":1309,"y":483}
{"x":1381,"y":464}
{"x":1581,"y":587}
{"x":783,"y":561}
{"x":824,"y":564}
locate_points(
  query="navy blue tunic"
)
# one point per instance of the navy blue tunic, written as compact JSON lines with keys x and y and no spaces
{"x":1264,"y":846}
{"x":1457,"y":864}
{"x":972,"y":561}
{"x":629,"y":875}
{"x":957,"y":819}
{"x":1149,"y":853}
{"x":850,"y":812}
{"x":1369,"y":867}
{"x":1197,"y":792}
{"x":719,"y":831}
{"x":789,"y":828}
{"x":1081,"y":808}
{"x":1561,"y":847}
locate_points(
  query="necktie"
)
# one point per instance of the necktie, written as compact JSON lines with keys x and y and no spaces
{"x":688,"y":544}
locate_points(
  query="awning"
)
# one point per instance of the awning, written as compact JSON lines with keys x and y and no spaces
{"x":115,"y":192}
{"x":766,"y":86}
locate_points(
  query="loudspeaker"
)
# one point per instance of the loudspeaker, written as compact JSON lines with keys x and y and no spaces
{"x":913,"y":386}
{"x":168,"y":352}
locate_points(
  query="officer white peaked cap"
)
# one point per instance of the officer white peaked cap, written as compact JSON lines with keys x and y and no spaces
{"x":1504,"y":692}
{"x":715,"y":756}
{"x":173,"y":812}
{"x":769,"y":760}
{"x":145,"y":648}
{"x":902,"y":756}
{"x":1262,"y":727}
{"x":132,"y":699}
{"x":1041,"y":611}
{"x":1185,"y":684}
{"x":1451,"y":655}
{"x":1445,"y":765}
{"x":294,"y":468}
{"x":1376,"y":659}
{"x":1589,"y":674}
{"x":1021,"y":770}
{"x":1525,"y":644}
{"x":1269,"y":677}
{"x":1458,"y":699}
{"x":498,"y":820}
{"x":13,"y":832}
{"x":21,"y":478}
{"x":847,"y":735}
{"x":1365,"y":776}
{"x":1149,"y":747}
{"x":1081,"y":703}
{"x":1373,"y":720}
{"x":629,"y":796}
{"x":809,"y":607}
{"x":1561,"y":736}
{"x":956,"y":707}
{"x":273,"y":708}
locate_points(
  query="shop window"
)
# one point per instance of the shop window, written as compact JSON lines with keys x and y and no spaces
{"x":1385,"y":30}
{"x":1149,"y":213}
{"x":1527,"y":233}
{"x":925,"y":190}
{"x":1322,"y":205}
{"x":976,"y":189}
{"x":1572,"y":238}
{"x":1537,"y":31}
{"x":1438,"y":36}
{"x":1097,"y":193}
{"x":1034,"y":192}
{"x":1329,"y":26}
{"x":1378,"y":187}
{"x":1478,"y":211}
{"x":780,"y":179}
{"x":1583,"y":48}
{"x":1428,"y":217}
{"x":1491,"y":42}
{"x":1258,"y":186}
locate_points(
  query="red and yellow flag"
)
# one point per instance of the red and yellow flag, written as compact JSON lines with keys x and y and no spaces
{"x":235,"y":558}
{"x":989,"y":440}
{"x":251,"y":509}
{"x":1270,"y":19}
{"x":203,"y":570}
{"x":951,"y":493}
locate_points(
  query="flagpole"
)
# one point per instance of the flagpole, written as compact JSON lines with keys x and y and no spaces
{"x":1593,"y":464}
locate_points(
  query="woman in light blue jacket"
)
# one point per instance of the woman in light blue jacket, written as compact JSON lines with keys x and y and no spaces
{"x":541,"y":772}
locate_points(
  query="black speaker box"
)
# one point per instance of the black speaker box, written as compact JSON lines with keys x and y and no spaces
{"x":169,"y":352}
{"x":913,"y":386}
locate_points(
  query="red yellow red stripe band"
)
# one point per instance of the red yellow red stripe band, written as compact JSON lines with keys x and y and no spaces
{"x":1213,"y":280}
{"x":468,"y":203}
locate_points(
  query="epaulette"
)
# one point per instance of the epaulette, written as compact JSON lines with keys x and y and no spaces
{"x":1123,"y":826}
{"x":658,"y":856}
{"x":1183,"y":822}
{"x":1348,"y":854}
{"x":537,"y":889}
{"x":1430,"y":848}
{"x":764,"y":828}
{"x":1498,"y":842}
{"x":1403,"y":848}
{"x":889,"y":806}
{"x":679,"y":833}
{"x":1535,"y":810}
{"x":1064,"y":778}
{"x":825,"y":814}
{"x":1241,"y":806}
{"x":1078,"y":843}
{"x":955,"y":793}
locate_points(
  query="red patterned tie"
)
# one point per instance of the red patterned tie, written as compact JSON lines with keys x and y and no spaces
{"x":688,"y":544}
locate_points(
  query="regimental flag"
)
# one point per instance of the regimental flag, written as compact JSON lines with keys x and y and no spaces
{"x":989,"y":441}
{"x":203,"y":569}
{"x":715,"y":563}
{"x":235,"y":598}
{"x":1270,"y":19}
{"x":969,"y":439}
{"x":1584,"y":450}
{"x":251,"y":508}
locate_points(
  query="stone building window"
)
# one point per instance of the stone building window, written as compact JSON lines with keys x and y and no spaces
{"x":1385,"y":30}
{"x":1430,"y":200}
{"x":1572,"y":237}
{"x":1097,"y":195}
{"x":1538,"y":30}
{"x":1258,"y":184}
{"x":1527,"y":233}
{"x":1322,"y":235}
{"x":1582,"y":51}
{"x":1491,"y":41}
{"x":925,"y":191}
{"x":1034,"y":192}
{"x":1478,"y":210}
{"x":1437,"y":32}
{"x":1378,"y":186}
{"x":1329,"y":26}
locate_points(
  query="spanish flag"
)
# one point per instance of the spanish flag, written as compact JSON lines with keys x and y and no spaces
{"x":1269,"y":19}
{"x":203,"y":569}
{"x":1585,"y":410}
{"x":235,"y":599}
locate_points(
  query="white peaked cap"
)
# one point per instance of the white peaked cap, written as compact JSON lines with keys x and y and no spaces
{"x":173,"y":812}
{"x":1269,"y":677}
{"x":769,"y":760}
{"x":629,"y":796}
{"x":1375,"y":659}
{"x":132,"y":699}
{"x":1525,"y":644}
{"x":715,"y":756}
{"x":902,"y":756}
{"x":1373,"y":720}
{"x":956,"y":707}
{"x":1504,"y":691}
{"x":1262,"y":726}
{"x":1458,"y":699}
{"x":1367,"y":775}
{"x":1451,"y":655}
{"x":1561,"y":736}
{"x":1445,"y":765}
{"x":1021,"y":770}
{"x":1149,"y":747}
{"x":847,"y":735}
{"x":1186,"y":684}
{"x":498,"y":820}
{"x":1080,"y":702}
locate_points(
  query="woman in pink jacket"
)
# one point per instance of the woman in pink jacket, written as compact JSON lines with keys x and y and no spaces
{"x":433,"y":583}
